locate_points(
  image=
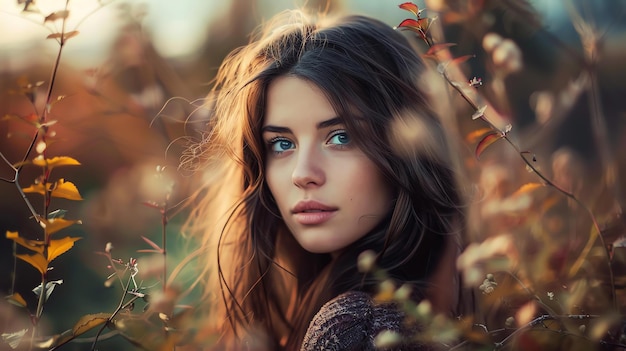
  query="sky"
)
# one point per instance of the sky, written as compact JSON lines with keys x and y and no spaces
{"x":177,"y":27}
{"x":169,"y":23}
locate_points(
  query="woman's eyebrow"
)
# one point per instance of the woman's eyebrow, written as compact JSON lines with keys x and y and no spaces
{"x":329,"y":123}
{"x":321,"y":125}
{"x":275,"y":129}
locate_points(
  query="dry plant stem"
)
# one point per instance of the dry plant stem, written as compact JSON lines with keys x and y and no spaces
{"x":532,"y":294}
{"x":164,"y":221}
{"x":546,"y":181}
{"x":46,"y":174}
{"x":591,"y":42}
{"x":540,"y":320}
{"x":120,"y":307}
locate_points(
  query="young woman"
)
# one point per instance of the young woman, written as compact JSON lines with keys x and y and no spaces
{"x":308,"y":164}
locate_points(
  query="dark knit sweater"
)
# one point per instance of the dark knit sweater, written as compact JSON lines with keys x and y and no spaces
{"x":351,"y":321}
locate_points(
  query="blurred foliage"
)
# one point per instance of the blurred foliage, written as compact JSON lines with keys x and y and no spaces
{"x":538,"y":111}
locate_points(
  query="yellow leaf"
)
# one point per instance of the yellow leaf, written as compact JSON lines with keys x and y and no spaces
{"x":35,"y":245}
{"x":60,"y":188}
{"x":34,"y":189}
{"x":526,"y":188}
{"x":59,"y":247}
{"x":88,"y":322}
{"x":37,"y":260}
{"x":55,"y":161}
{"x":473,"y":136}
{"x":17,"y":300}
{"x":66,"y":190}
{"x":53,"y":225}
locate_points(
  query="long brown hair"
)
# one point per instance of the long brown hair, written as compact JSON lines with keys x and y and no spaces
{"x":370,"y":74}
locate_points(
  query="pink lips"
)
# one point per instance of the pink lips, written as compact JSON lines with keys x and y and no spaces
{"x":312,"y":212}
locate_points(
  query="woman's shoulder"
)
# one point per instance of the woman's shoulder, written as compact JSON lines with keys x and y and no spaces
{"x":351,"y":321}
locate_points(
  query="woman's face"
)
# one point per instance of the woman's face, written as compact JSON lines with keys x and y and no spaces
{"x":328,"y":192}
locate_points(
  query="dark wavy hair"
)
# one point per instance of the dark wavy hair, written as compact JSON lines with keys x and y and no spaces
{"x":371,"y":75}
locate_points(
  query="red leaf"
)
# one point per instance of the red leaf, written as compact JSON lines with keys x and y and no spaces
{"x":474,"y":135}
{"x":410,"y":24}
{"x":438,"y":47}
{"x":153,"y":244}
{"x":152,"y":204}
{"x":411,"y":7}
{"x":150,"y":251}
{"x":486,"y":141}
{"x":461,"y":59}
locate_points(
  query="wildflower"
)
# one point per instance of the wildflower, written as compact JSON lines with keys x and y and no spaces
{"x":475,"y":82}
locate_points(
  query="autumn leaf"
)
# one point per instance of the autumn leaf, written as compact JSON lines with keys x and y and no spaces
{"x":156,"y":248}
{"x":461,"y":59}
{"x":410,"y":24}
{"x":17,"y":300}
{"x":55,"y":161}
{"x":57,"y":15}
{"x":411,"y":7}
{"x":526,"y":188}
{"x":66,"y":190}
{"x":58,"y":247}
{"x":88,"y":322}
{"x":37,"y":260}
{"x":34,"y":245}
{"x":473,"y":136}
{"x":54,"y":225}
{"x":486,"y":142}
{"x":67,"y":35}
{"x":438,"y":47}
{"x":60,"y":188}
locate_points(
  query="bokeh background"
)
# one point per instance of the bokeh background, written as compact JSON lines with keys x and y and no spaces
{"x":133,"y":80}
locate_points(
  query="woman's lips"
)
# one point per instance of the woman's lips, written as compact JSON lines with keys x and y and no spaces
{"x":311,"y":212}
{"x":313,"y":217}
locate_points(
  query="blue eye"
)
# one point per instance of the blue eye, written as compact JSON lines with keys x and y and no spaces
{"x":339,"y":138}
{"x":279,"y":146}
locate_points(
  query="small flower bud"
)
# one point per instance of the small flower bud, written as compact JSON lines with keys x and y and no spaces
{"x":403,"y":293}
{"x":387,"y":339}
{"x":366,"y":261}
{"x":424,"y":309}
{"x":41,"y":147}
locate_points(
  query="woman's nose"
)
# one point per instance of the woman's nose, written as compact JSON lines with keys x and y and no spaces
{"x":309,"y":168}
